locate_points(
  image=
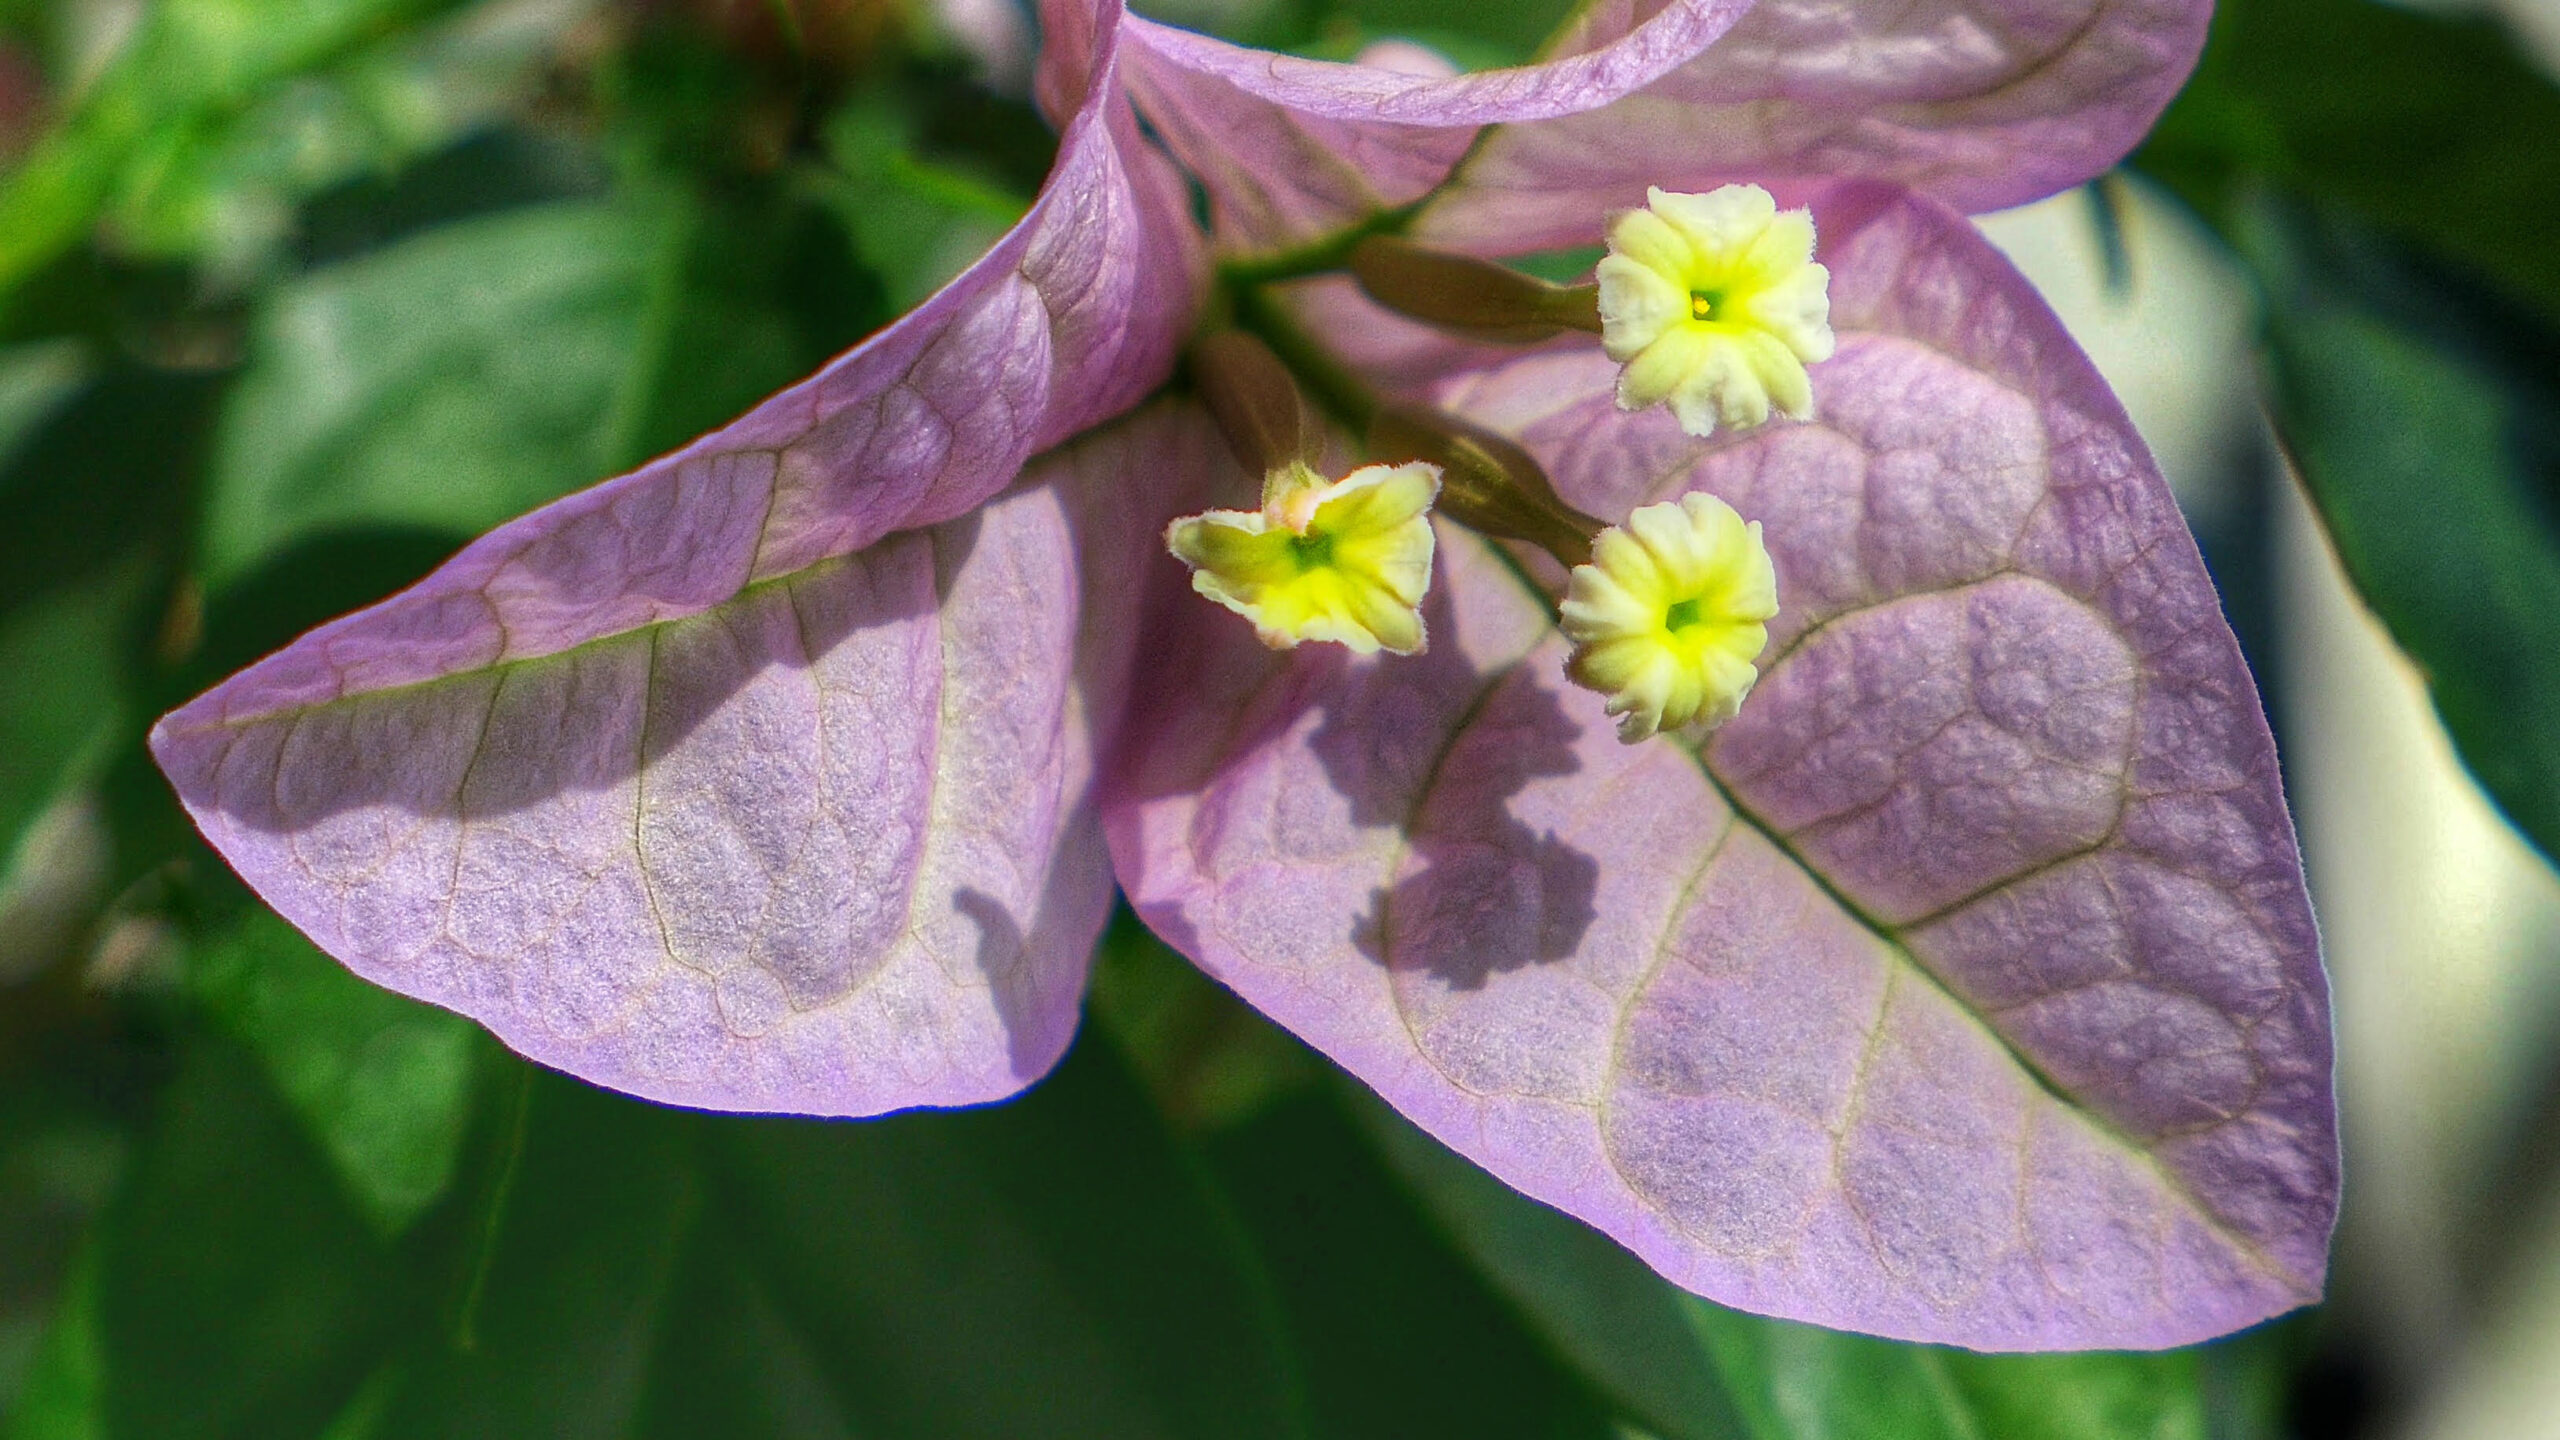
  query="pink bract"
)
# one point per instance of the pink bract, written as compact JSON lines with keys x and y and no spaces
{"x":1979,"y":103}
{"x":1963,"y":989}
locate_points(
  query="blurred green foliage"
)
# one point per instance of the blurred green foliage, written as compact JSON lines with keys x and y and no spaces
{"x":296,"y":296}
{"x":2437,"y":130}
{"x":2389,"y":180}
{"x":198,"y":104}
{"x":2424,"y":412}
{"x":1694,"y":1371}
{"x":384,"y":1086}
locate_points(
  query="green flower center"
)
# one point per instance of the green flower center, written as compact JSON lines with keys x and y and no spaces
{"x":1703,"y":303}
{"x":1312,"y":552}
{"x":1683,"y":614}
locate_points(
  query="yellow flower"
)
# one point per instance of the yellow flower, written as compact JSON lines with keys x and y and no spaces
{"x":1345,"y":560}
{"x":1669,"y":616}
{"x":1713,"y":304}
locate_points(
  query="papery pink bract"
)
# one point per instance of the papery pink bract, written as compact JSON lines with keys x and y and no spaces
{"x":1962,"y":989}
{"x":1980,"y":103}
{"x":827,"y":847}
{"x":2003,"y":827}
{"x":757,"y":779}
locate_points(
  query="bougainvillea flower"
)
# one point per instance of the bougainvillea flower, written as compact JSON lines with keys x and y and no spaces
{"x":1669,"y":614}
{"x":1715,"y":305}
{"x":1962,"y":987}
{"x":1345,"y":561}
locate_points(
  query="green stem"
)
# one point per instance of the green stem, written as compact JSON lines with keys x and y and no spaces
{"x":1318,"y":257}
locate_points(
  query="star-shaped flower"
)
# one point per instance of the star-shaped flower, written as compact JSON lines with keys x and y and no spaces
{"x":1715,"y":305}
{"x":1669,"y":613}
{"x":1344,"y":561}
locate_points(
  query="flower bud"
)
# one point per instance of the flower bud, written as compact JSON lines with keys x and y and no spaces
{"x":1487,"y":483}
{"x":1476,"y":298}
{"x":1255,"y":402}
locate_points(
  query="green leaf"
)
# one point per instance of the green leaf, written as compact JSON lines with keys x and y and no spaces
{"x":1690,"y":1370}
{"x":446,"y":382}
{"x":240,"y":1295}
{"x":54,"y":731}
{"x":384,"y":1083}
{"x":1600,"y":1307}
{"x":1798,"y":1382}
{"x":1052,"y":1266}
{"x":732,"y":1365}
{"x":755,"y":288}
{"x":223,"y":190}
{"x":1207,"y":1060}
{"x":61,"y":1150}
{"x":362,"y":1419}
{"x":191,"y":64}
{"x":2073,"y":1397}
{"x":92,"y":495}
{"x":1477,"y":36}
{"x":2424,"y":415}
{"x":917,"y":221}
{"x":460,"y":377}
{"x":571,"y":1269}
{"x":1398,"y":1335}
{"x":34,"y":381}
{"x":109,"y":474}
{"x":2433,"y":128}
{"x":1395,"y":1332}
{"x":65,"y":1396}
{"x":1055,"y":1267}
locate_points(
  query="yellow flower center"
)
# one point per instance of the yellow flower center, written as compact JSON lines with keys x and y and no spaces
{"x":1345,"y":561}
{"x":1714,"y":305}
{"x":1312,"y":552}
{"x":1671,"y":614}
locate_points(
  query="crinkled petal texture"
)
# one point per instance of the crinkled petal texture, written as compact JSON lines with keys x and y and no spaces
{"x":755,"y":779}
{"x":1980,"y":103}
{"x":1962,"y":989}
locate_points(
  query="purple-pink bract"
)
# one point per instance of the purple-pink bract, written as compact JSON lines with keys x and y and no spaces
{"x":1962,"y":989}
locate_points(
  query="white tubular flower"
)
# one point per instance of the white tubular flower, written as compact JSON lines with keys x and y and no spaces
{"x":1345,"y":561}
{"x":1714,"y":305}
{"x":1670,"y":615}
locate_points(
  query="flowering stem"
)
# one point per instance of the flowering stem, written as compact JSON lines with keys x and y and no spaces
{"x":1488,"y":484}
{"x":1331,"y":253}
